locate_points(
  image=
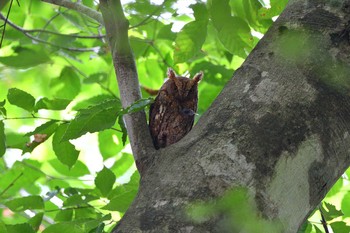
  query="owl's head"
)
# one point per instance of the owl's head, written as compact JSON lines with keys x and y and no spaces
{"x":184,"y":86}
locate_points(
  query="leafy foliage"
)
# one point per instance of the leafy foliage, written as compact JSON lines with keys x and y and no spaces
{"x":60,"y":108}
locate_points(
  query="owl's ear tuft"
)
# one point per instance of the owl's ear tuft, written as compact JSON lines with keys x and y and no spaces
{"x":198,"y":77}
{"x":171,"y":73}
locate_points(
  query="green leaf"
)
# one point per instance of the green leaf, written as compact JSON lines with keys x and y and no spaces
{"x":2,"y":108}
{"x":25,"y":203}
{"x":18,"y":141}
{"x":78,"y":170}
{"x":123,"y":128}
{"x":122,"y":165}
{"x":331,"y":212}
{"x":25,"y":58}
{"x":109,"y":143}
{"x":121,"y":202}
{"x":340,"y":227}
{"x":64,"y":215}
{"x":96,"y":100}
{"x":64,"y":227}
{"x":104,"y":181}
{"x":41,"y":134}
{"x":53,"y":104}
{"x":189,"y":40}
{"x":3,"y":227}
{"x":36,"y":221}
{"x":21,"y":99}
{"x":93,"y":119}
{"x":200,"y":11}
{"x":67,"y":85}
{"x":64,"y":150}
{"x":2,"y":139}
{"x":137,"y":106}
{"x":22,"y":228}
{"x":96,"y":78}
{"x":345,"y":204}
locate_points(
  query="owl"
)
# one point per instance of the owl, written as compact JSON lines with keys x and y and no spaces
{"x":172,"y":114}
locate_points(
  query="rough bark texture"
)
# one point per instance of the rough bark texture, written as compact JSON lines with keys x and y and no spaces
{"x":280,"y":128}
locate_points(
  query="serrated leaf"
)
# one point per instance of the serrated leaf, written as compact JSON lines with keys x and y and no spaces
{"x":48,"y":128}
{"x":95,"y":100}
{"x":36,"y":221}
{"x":104,"y":181}
{"x":25,"y":58}
{"x":25,"y":203}
{"x":331,"y":212}
{"x":137,"y":106}
{"x":93,"y":119}
{"x":51,"y":104}
{"x":21,"y":99}
{"x":64,"y":150}
{"x":189,"y":40}
{"x":2,"y":139}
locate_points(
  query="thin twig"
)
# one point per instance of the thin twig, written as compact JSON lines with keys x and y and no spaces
{"x":323,"y":220}
{"x":32,"y":117}
{"x":94,"y":49}
{"x":5,"y":23}
{"x":79,"y":8}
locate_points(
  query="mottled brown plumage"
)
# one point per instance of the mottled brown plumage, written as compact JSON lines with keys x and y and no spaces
{"x":173,"y":111}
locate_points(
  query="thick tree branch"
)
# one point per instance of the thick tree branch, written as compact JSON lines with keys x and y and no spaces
{"x":117,"y":34}
{"x":79,"y":8}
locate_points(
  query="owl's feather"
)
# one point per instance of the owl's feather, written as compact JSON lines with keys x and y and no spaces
{"x":173,"y":111}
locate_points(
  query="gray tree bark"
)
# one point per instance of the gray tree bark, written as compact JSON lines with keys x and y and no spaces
{"x":279,"y":128}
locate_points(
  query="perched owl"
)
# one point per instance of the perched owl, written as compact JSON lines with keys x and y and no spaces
{"x":172,"y":113}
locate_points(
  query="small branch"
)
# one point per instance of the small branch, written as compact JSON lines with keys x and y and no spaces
{"x":323,"y":221}
{"x":94,"y":49}
{"x":32,"y":117}
{"x":79,"y":8}
{"x":6,"y":20}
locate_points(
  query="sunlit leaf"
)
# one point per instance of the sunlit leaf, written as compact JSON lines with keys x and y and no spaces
{"x":137,"y":106}
{"x":79,"y":168}
{"x":2,"y":139}
{"x":122,"y":202}
{"x":21,"y":99}
{"x":25,"y":58}
{"x":96,"y":78}
{"x":110,"y":143}
{"x":340,"y":227}
{"x":93,"y":119}
{"x":64,"y":150}
{"x":2,"y":108}
{"x":104,"y":181}
{"x":52,"y":104}
{"x":330,"y":212}
{"x":123,"y":164}
{"x":25,"y":203}
{"x":189,"y":40}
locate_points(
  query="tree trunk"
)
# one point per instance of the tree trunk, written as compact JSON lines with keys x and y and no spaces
{"x":279,"y":128}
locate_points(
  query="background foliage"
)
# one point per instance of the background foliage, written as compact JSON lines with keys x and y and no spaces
{"x":65,"y":161}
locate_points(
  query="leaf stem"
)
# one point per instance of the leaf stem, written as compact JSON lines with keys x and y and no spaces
{"x":11,"y":184}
